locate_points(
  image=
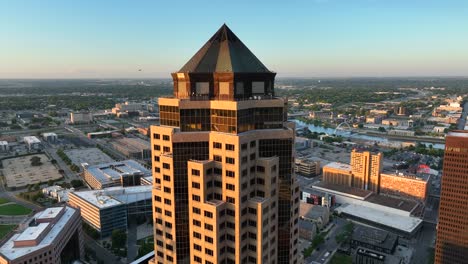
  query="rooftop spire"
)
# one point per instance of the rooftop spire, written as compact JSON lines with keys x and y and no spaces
{"x":224,"y":52}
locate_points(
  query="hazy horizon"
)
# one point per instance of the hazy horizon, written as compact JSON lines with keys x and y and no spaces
{"x":297,"y":39}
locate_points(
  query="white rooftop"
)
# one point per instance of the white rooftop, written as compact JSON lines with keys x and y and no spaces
{"x":32,"y":232}
{"x":10,"y":252}
{"x":48,"y":213}
{"x":113,"y":196}
{"x":3,"y":143}
{"x":404,"y":223}
{"x":338,"y":165}
{"x":49,"y":134}
{"x":31,"y":139}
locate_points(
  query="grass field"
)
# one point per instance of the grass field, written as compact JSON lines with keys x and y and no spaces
{"x":339,"y":258}
{"x":3,"y":200}
{"x":5,"y":229}
{"x":14,"y":209}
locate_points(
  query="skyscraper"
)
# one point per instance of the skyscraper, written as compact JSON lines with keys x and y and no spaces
{"x":452,"y":229}
{"x":224,"y":189}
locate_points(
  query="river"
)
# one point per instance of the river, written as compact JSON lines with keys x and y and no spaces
{"x":345,"y":134}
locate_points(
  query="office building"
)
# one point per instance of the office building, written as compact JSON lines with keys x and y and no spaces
{"x":110,"y":208}
{"x":308,"y":168}
{"x":366,"y":173}
{"x":118,"y":173}
{"x":53,"y":235}
{"x":366,"y":168}
{"x":452,"y":235}
{"x":132,"y":148}
{"x":224,"y":189}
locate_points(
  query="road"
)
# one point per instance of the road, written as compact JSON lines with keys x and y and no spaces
{"x":132,"y":249}
{"x":69,"y":175}
{"x":329,"y":245}
{"x":12,"y":197}
{"x":462,"y":121}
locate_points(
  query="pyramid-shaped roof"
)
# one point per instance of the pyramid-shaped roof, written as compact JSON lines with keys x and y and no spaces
{"x":224,"y":52}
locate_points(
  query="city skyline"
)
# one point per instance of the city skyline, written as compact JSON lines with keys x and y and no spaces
{"x":298,"y":39}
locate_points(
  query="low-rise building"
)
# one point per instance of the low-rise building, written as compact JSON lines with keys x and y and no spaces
{"x":375,"y":239}
{"x":313,"y":213}
{"x":307,"y":230}
{"x":109,"y":209}
{"x":119,"y":173}
{"x":81,"y":117}
{"x":403,"y":133}
{"x":50,"y":137}
{"x":53,"y":235}
{"x":4,"y":146}
{"x":306,"y":167}
{"x":32,"y":142}
{"x":57,"y":192}
{"x":133,"y":148}
{"x":367,"y":256}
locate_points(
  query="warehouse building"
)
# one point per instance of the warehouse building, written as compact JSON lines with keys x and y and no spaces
{"x":119,"y":173}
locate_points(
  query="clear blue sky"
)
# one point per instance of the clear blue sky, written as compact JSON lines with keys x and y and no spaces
{"x":310,"y":38}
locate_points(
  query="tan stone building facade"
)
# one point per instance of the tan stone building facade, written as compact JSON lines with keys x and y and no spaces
{"x":224,"y":188}
{"x":365,"y":172}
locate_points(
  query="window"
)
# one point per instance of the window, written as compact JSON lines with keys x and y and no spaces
{"x":196,"y":197}
{"x":239,"y":88}
{"x":196,"y":210}
{"x":230,"y":160}
{"x":166,"y":166}
{"x":252,"y":144}
{"x":252,"y":156}
{"x":230,"y":147}
{"x":165,"y":137}
{"x":208,"y":227}
{"x":258,"y":88}
{"x":156,"y":136}
{"x":166,"y":149}
{"x":168,"y":224}
{"x":167,"y":190}
{"x":202,"y":88}
{"x":156,"y":158}
{"x":166,"y":177}
{"x":208,"y":214}
{"x":157,"y":169}
{"x":168,"y":213}
{"x":197,"y":247}
{"x":197,"y":259}
{"x":167,"y":201}
{"x":230,"y":200}
{"x":260,"y":169}
{"x":209,"y":239}
{"x":217,"y":145}
{"x":230,"y":174}
{"x":209,"y":251}
{"x":157,"y":147}
{"x":195,"y":172}
{"x":197,"y":235}
{"x":196,"y":222}
{"x":223,"y":88}
{"x":217,"y":158}
{"x":157,"y":180}
{"x":230,"y":187}
{"x":157,"y":198}
{"x":218,"y":171}
{"x":244,"y":146}
{"x":158,"y":210}
{"x":196,"y":185}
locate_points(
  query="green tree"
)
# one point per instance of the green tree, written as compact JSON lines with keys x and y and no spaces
{"x":119,"y":238}
{"x":35,"y":161}
{"x":382,"y":129}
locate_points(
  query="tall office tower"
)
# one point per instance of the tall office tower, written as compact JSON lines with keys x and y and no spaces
{"x":366,"y":168}
{"x":452,"y":229}
{"x":224,"y":189}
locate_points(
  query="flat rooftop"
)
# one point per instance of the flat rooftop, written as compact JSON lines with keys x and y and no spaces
{"x":109,"y":172}
{"x":392,"y":202}
{"x":346,"y":190}
{"x":49,"y":213}
{"x":11,"y":252}
{"x":31,"y":139}
{"x":373,"y":236}
{"x":338,"y":165}
{"x":406,"y":224}
{"x":91,"y":156}
{"x":114,"y":196}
